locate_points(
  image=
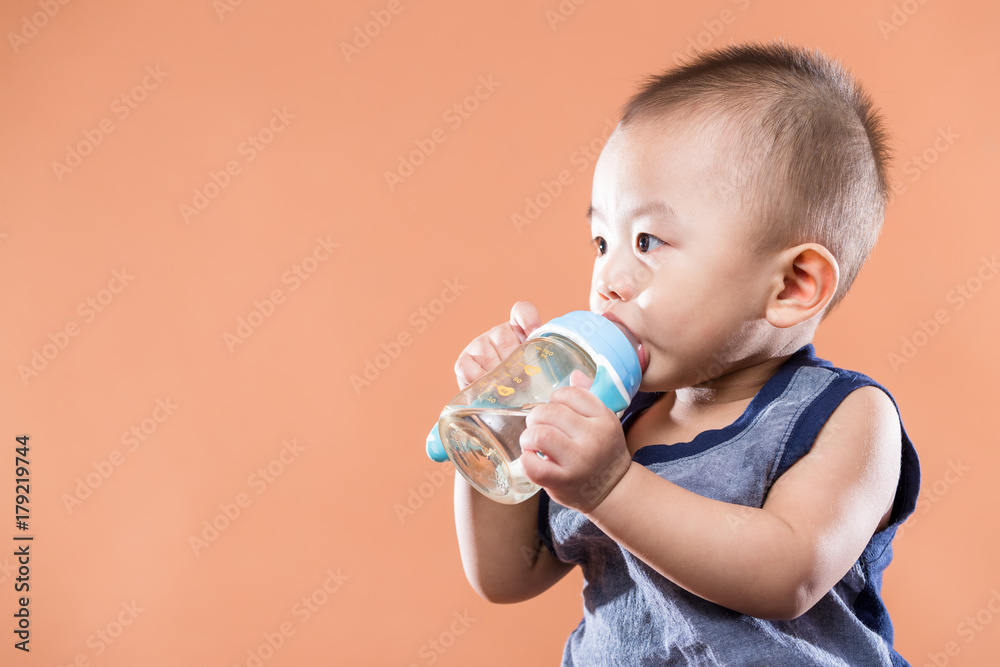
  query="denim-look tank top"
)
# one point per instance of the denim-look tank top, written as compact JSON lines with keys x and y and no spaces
{"x":633,"y":616}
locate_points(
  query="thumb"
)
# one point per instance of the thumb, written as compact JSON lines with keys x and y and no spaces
{"x":524,"y":315}
{"x":579,"y":379}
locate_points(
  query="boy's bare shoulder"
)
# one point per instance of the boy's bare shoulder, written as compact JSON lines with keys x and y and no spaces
{"x":854,"y":465}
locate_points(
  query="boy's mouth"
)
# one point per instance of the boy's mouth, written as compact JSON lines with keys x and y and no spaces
{"x":643,"y":357}
{"x":640,"y":349}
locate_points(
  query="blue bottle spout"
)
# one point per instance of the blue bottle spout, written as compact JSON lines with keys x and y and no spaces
{"x":435,"y":450}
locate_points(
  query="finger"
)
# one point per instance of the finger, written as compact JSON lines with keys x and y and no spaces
{"x":504,"y":339}
{"x":578,"y":399}
{"x":467,"y":370}
{"x":542,"y":442}
{"x":476,"y":359}
{"x":580,"y":379}
{"x":525,"y":316}
{"x":484,"y":353}
{"x":481,"y":353}
{"x":539,"y":467}
{"x":555,"y":415}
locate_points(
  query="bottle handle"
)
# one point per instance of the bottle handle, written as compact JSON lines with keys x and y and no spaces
{"x":605,"y":388}
{"x":435,"y":450}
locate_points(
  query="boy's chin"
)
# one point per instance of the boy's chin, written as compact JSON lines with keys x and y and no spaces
{"x":660,"y":380}
{"x":650,"y":383}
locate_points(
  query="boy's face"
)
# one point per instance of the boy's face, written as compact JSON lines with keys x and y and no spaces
{"x":675,"y":254}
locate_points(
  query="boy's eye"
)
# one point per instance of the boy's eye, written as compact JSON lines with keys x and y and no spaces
{"x":600,"y":244}
{"x":646,"y":242}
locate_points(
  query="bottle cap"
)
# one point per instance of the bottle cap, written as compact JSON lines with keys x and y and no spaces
{"x":610,"y":348}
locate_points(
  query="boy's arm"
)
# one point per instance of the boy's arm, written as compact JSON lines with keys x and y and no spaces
{"x":774,"y":562}
{"x":502,"y":555}
{"x":503,"y":558}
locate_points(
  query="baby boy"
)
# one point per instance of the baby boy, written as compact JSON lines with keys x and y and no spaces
{"x":741,"y":511}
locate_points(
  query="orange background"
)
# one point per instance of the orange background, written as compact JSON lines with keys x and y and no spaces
{"x":333,"y":510}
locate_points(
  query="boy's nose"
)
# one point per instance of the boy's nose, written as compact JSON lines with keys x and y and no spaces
{"x":615,"y":283}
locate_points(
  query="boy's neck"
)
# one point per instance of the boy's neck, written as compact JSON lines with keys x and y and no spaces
{"x":732,"y":390}
{"x":726,"y":396}
{"x":681,"y":414}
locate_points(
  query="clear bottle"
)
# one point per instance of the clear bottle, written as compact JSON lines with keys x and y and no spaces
{"x":480,"y":428}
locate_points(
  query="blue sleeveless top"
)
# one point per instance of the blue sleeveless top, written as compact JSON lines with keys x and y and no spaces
{"x":633,"y":616}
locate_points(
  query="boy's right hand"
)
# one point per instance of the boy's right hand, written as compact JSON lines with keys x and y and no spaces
{"x":486,"y":351}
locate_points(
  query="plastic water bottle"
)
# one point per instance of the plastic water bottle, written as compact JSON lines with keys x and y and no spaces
{"x":480,"y":428}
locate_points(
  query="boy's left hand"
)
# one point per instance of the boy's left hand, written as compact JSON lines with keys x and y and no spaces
{"x":583,"y":444}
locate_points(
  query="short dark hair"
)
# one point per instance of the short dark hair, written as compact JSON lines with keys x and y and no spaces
{"x":814,"y":158}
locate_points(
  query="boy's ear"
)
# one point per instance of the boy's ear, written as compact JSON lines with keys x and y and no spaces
{"x":807,"y":279}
